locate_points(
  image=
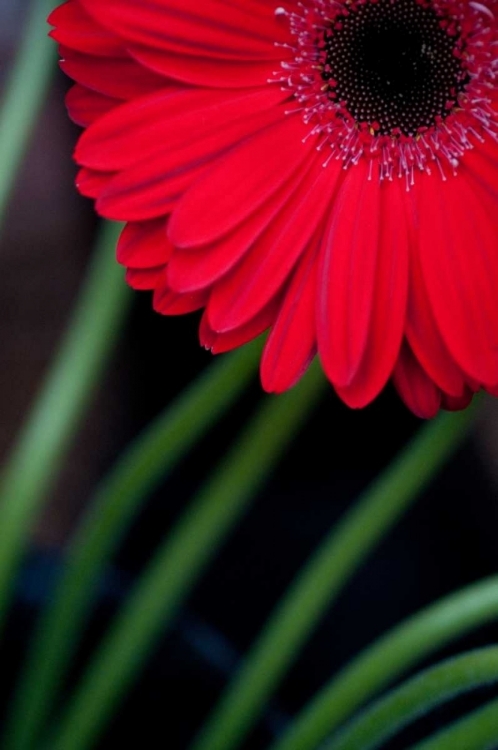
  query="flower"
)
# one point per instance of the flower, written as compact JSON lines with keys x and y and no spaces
{"x":327,"y":169}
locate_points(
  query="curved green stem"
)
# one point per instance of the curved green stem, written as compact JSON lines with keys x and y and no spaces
{"x":416,"y":697}
{"x":386,"y":659}
{"x":110,"y":513}
{"x":324,"y":576}
{"x":477,"y":731}
{"x":24,"y":95}
{"x":60,"y":405}
{"x":178,"y":563}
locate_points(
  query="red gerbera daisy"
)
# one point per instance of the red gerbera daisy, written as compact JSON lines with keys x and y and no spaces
{"x":327,"y":169}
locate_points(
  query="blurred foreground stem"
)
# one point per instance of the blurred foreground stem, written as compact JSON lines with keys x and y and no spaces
{"x":324,"y":576}
{"x":24,"y":94}
{"x":385,"y":660}
{"x":178,"y":563}
{"x":476,"y":731}
{"x":416,"y":697}
{"x":60,"y":406}
{"x":108,"y":517}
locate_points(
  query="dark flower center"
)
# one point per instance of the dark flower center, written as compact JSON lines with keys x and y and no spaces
{"x":395,"y":65}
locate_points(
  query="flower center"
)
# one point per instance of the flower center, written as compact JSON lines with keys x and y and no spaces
{"x":409,"y":85}
{"x":394,"y":65}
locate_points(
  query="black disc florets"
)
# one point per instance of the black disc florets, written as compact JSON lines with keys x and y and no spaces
{"x":394,"y":64}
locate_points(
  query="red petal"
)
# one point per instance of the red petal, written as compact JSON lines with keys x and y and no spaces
{"x":91,"y":184}
{"x":167,"y":302}
{"x":144,"y":192}
{"x":481,"y":165}
{"x":262,"y":271}
{"x":196,"y":268}
{"x":144,"y":244}
{"x":458,"y":240}
{"x":223,"y":342}
{"x":152,"y":187}
{"x":451,"y":403}
{"x":349,"y":258}
{"x":389,"y":303}
{"x":75,"y":29}
{"x":144,"y":278}
{"x":168,"y":119}
{"x":291,"y":344}
{"x":120,"y":78}
{"x":416,"y":389}
{"x":224,"y":29}
{"x":240,"y":183}
{"x":421,"y":330}
{"x":85,"y":106}
{"x":205,"y":71}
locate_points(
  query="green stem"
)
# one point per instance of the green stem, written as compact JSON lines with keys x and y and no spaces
{"x":178,"y":563}
{"x":109,"y":515}
{"x":60,"y":406}
{"x":24,"y":95}
{"x":477,"y":731}
{"x":386,"y":659}
{"x":416,"y":697}
{"x":323,"y":578}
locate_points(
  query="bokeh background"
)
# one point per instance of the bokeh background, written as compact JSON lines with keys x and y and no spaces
{"x":446,"y":541}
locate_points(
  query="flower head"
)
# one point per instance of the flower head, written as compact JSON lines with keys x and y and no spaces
{"x":327,"y":169}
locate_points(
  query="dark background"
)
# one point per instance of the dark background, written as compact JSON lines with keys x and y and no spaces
{"x":446,"y":541}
